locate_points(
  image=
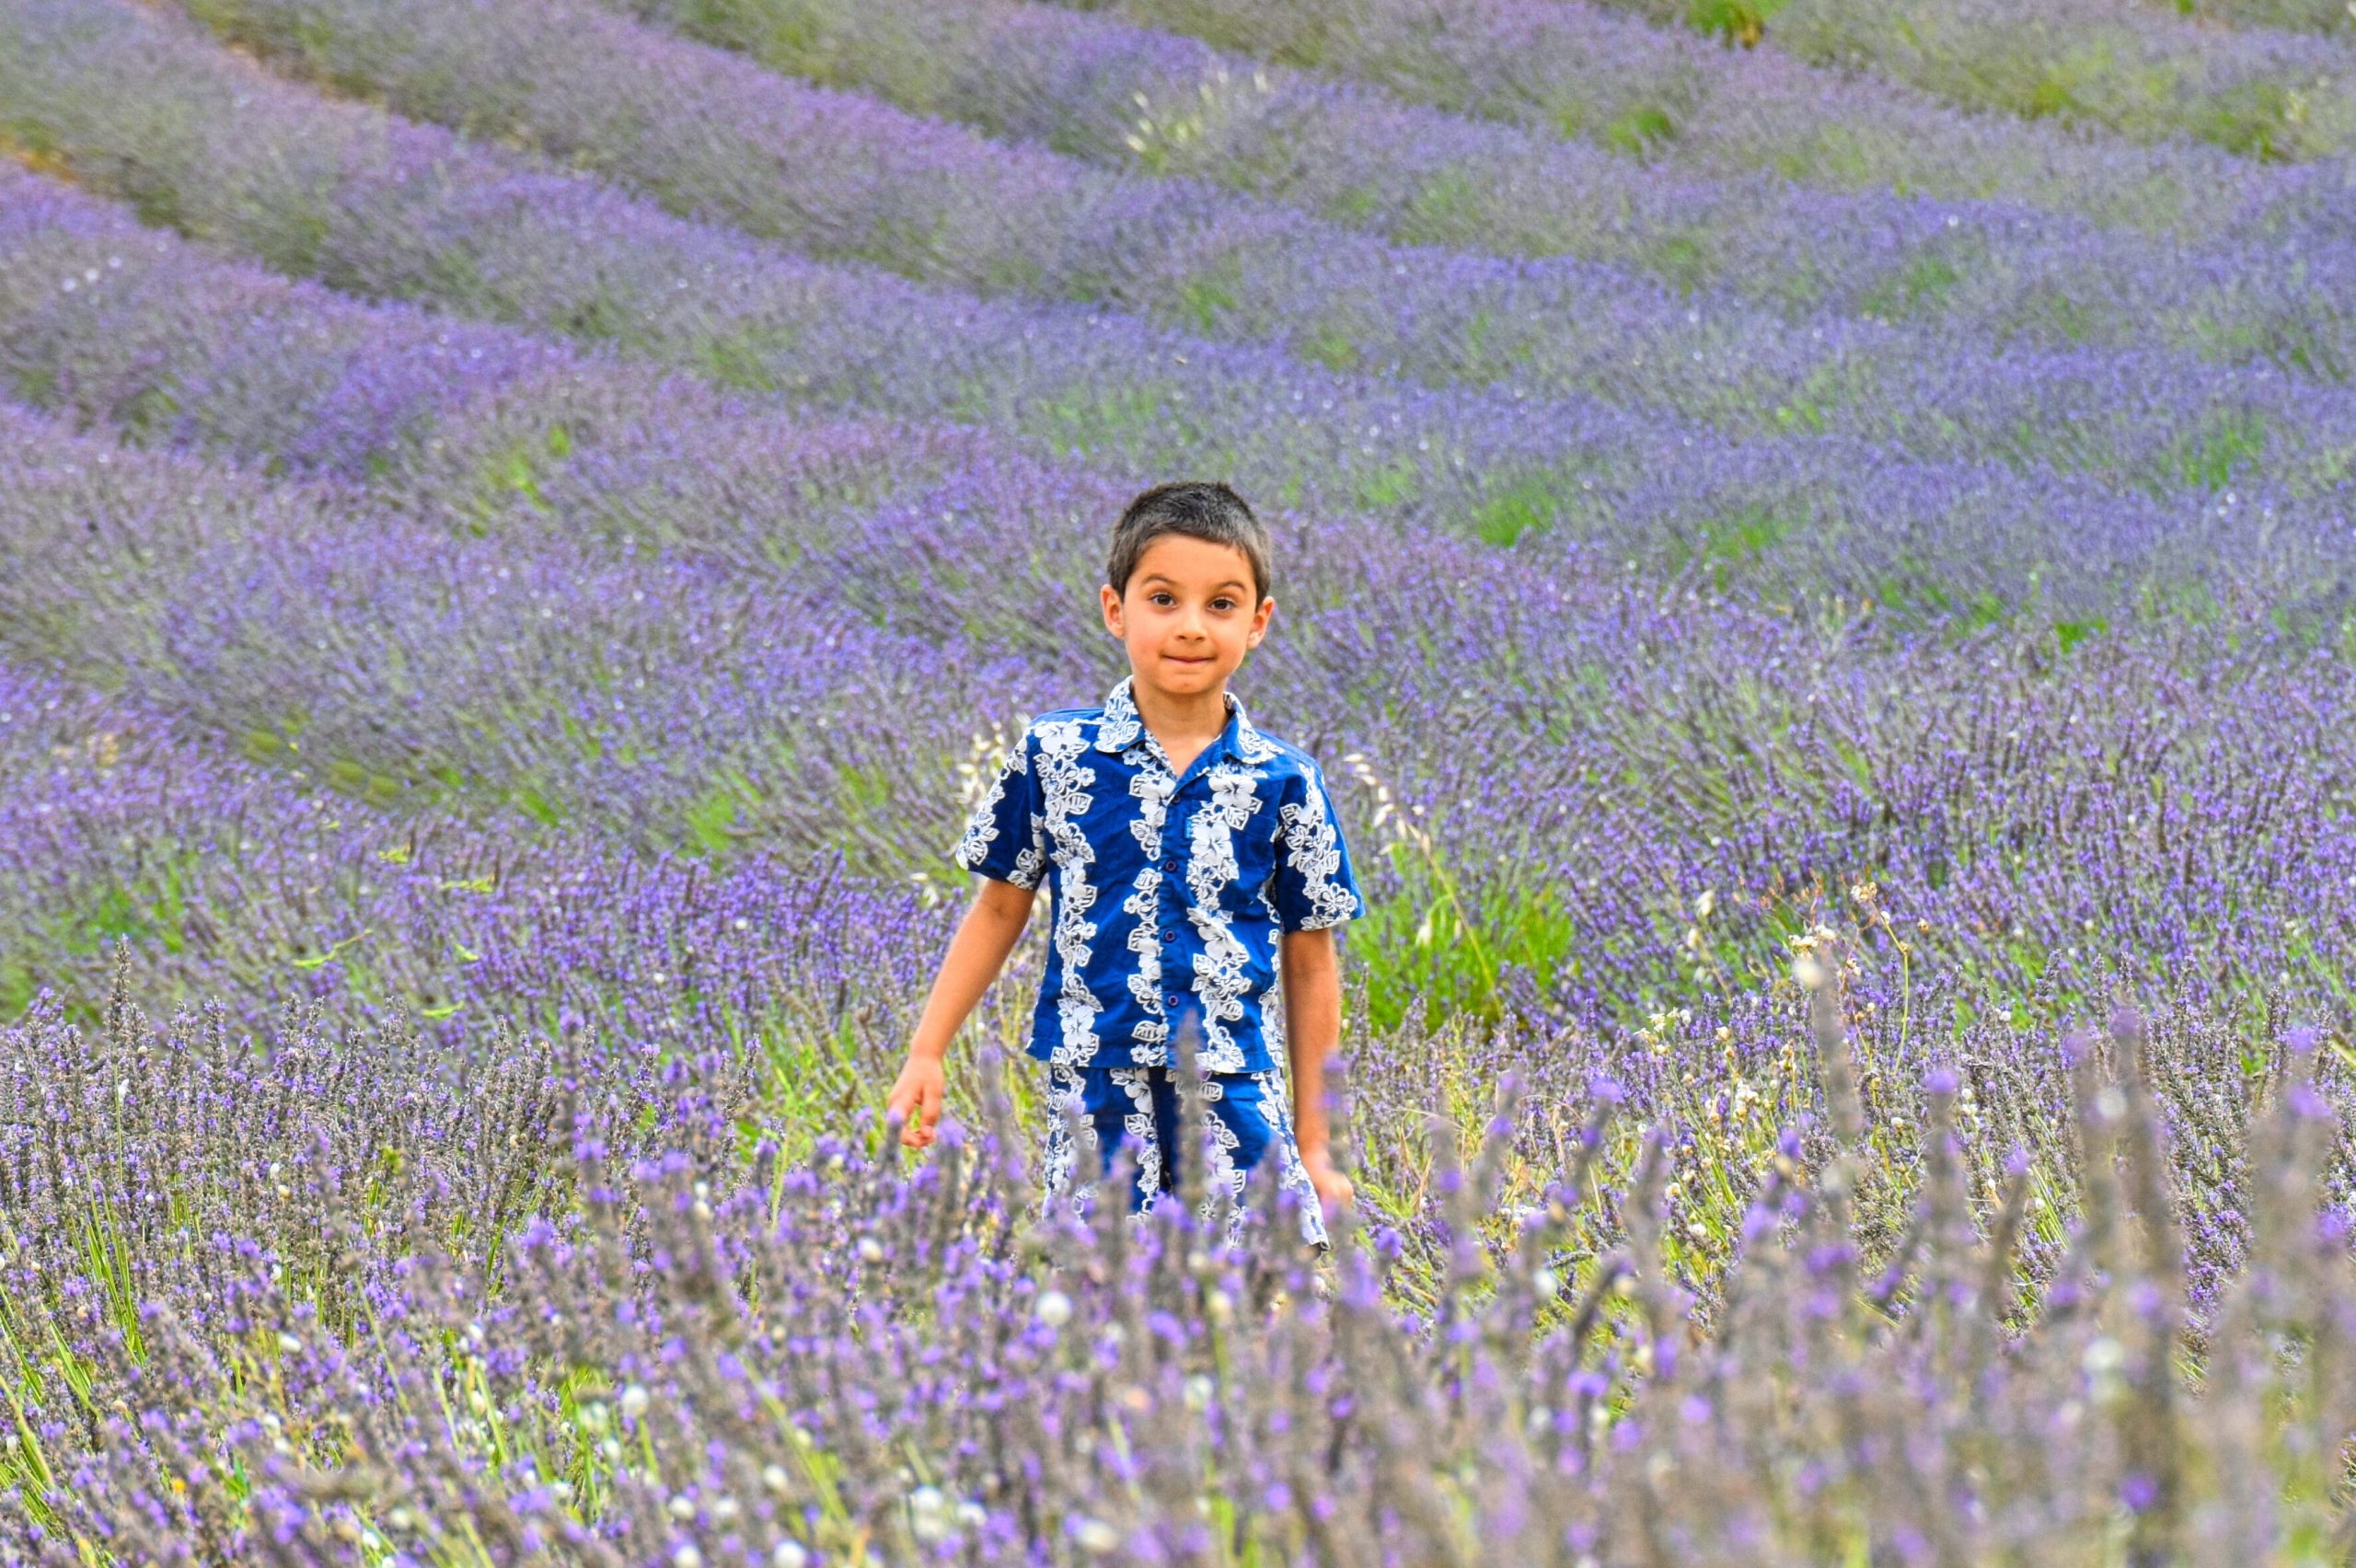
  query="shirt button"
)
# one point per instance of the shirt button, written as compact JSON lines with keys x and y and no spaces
{"x":1172,"y":999}
{"x":1169,"y":865}
{"x":1169,"y":936}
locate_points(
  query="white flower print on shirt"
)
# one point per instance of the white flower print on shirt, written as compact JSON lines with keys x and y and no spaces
{"x":1220,"y":977}
{"x":982,"y":829}
{"x":1065,"y":1104}
{"x":1065,"y":782}
{"x":1314,"y":851}
{"x":1139,"y":1126}
{"x":982,"y":826}
{"x":1150,"y":1036}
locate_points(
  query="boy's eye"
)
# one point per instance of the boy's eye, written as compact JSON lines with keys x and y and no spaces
{"x":1222,"y":604}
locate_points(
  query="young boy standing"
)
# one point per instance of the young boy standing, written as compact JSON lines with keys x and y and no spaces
{"x":1193,"y":859}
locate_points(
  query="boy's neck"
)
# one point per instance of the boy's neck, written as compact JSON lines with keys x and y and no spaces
{"x":1186,"y":716}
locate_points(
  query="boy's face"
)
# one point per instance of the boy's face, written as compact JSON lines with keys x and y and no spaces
{"x":1187,"y":616}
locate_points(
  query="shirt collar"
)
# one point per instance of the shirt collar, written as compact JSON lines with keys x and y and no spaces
{"x":1121,"y":726}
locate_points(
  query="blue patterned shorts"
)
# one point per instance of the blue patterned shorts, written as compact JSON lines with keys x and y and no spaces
{"x":1251,"y":1126}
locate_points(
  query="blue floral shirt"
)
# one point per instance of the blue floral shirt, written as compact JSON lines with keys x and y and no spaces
{"x":1168,"y":889}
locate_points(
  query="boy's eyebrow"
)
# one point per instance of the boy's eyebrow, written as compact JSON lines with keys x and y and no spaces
{"x":1159,"y":577}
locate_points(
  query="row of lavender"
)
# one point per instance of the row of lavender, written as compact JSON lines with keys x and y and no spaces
{"x":711,"y":136}
{"x":2126,"y":66}
{"x":247,"y":887}
{"x":2318,"y":15}
{"x":1110,"y":92}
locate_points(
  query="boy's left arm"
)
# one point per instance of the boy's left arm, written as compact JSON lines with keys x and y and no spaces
{"x":1313,"y":997}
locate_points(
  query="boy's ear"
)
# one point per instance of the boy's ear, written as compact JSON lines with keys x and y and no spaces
{"x":1260,"y":619}
{"x":1112,"y":603}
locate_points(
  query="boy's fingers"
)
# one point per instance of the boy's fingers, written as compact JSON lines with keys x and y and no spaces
{"x":918,"y":1107}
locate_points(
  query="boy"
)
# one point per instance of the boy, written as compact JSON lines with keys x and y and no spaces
{"x":1193,"y":859}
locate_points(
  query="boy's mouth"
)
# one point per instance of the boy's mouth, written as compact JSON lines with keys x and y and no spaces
{"x":1185,"y":658}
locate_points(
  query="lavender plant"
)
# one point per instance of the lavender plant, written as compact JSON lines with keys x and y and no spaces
{"x":2128,"y":68}
{"x":2318,"y":15}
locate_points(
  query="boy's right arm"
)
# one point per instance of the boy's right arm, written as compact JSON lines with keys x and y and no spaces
{"x":992,"y":925}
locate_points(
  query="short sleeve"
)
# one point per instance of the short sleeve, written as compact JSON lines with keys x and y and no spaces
{"x":1006,"y":837}
{"x":1314,"y":885}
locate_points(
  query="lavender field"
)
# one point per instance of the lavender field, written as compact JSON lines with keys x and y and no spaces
{"x":1814,"y":546}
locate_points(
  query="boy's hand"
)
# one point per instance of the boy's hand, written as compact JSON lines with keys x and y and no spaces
{"x":1335,"y":1192}
{"x":916,"y":1099}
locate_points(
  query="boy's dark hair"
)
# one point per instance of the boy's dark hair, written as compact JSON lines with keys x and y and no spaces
{"x":1199,"y":510}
